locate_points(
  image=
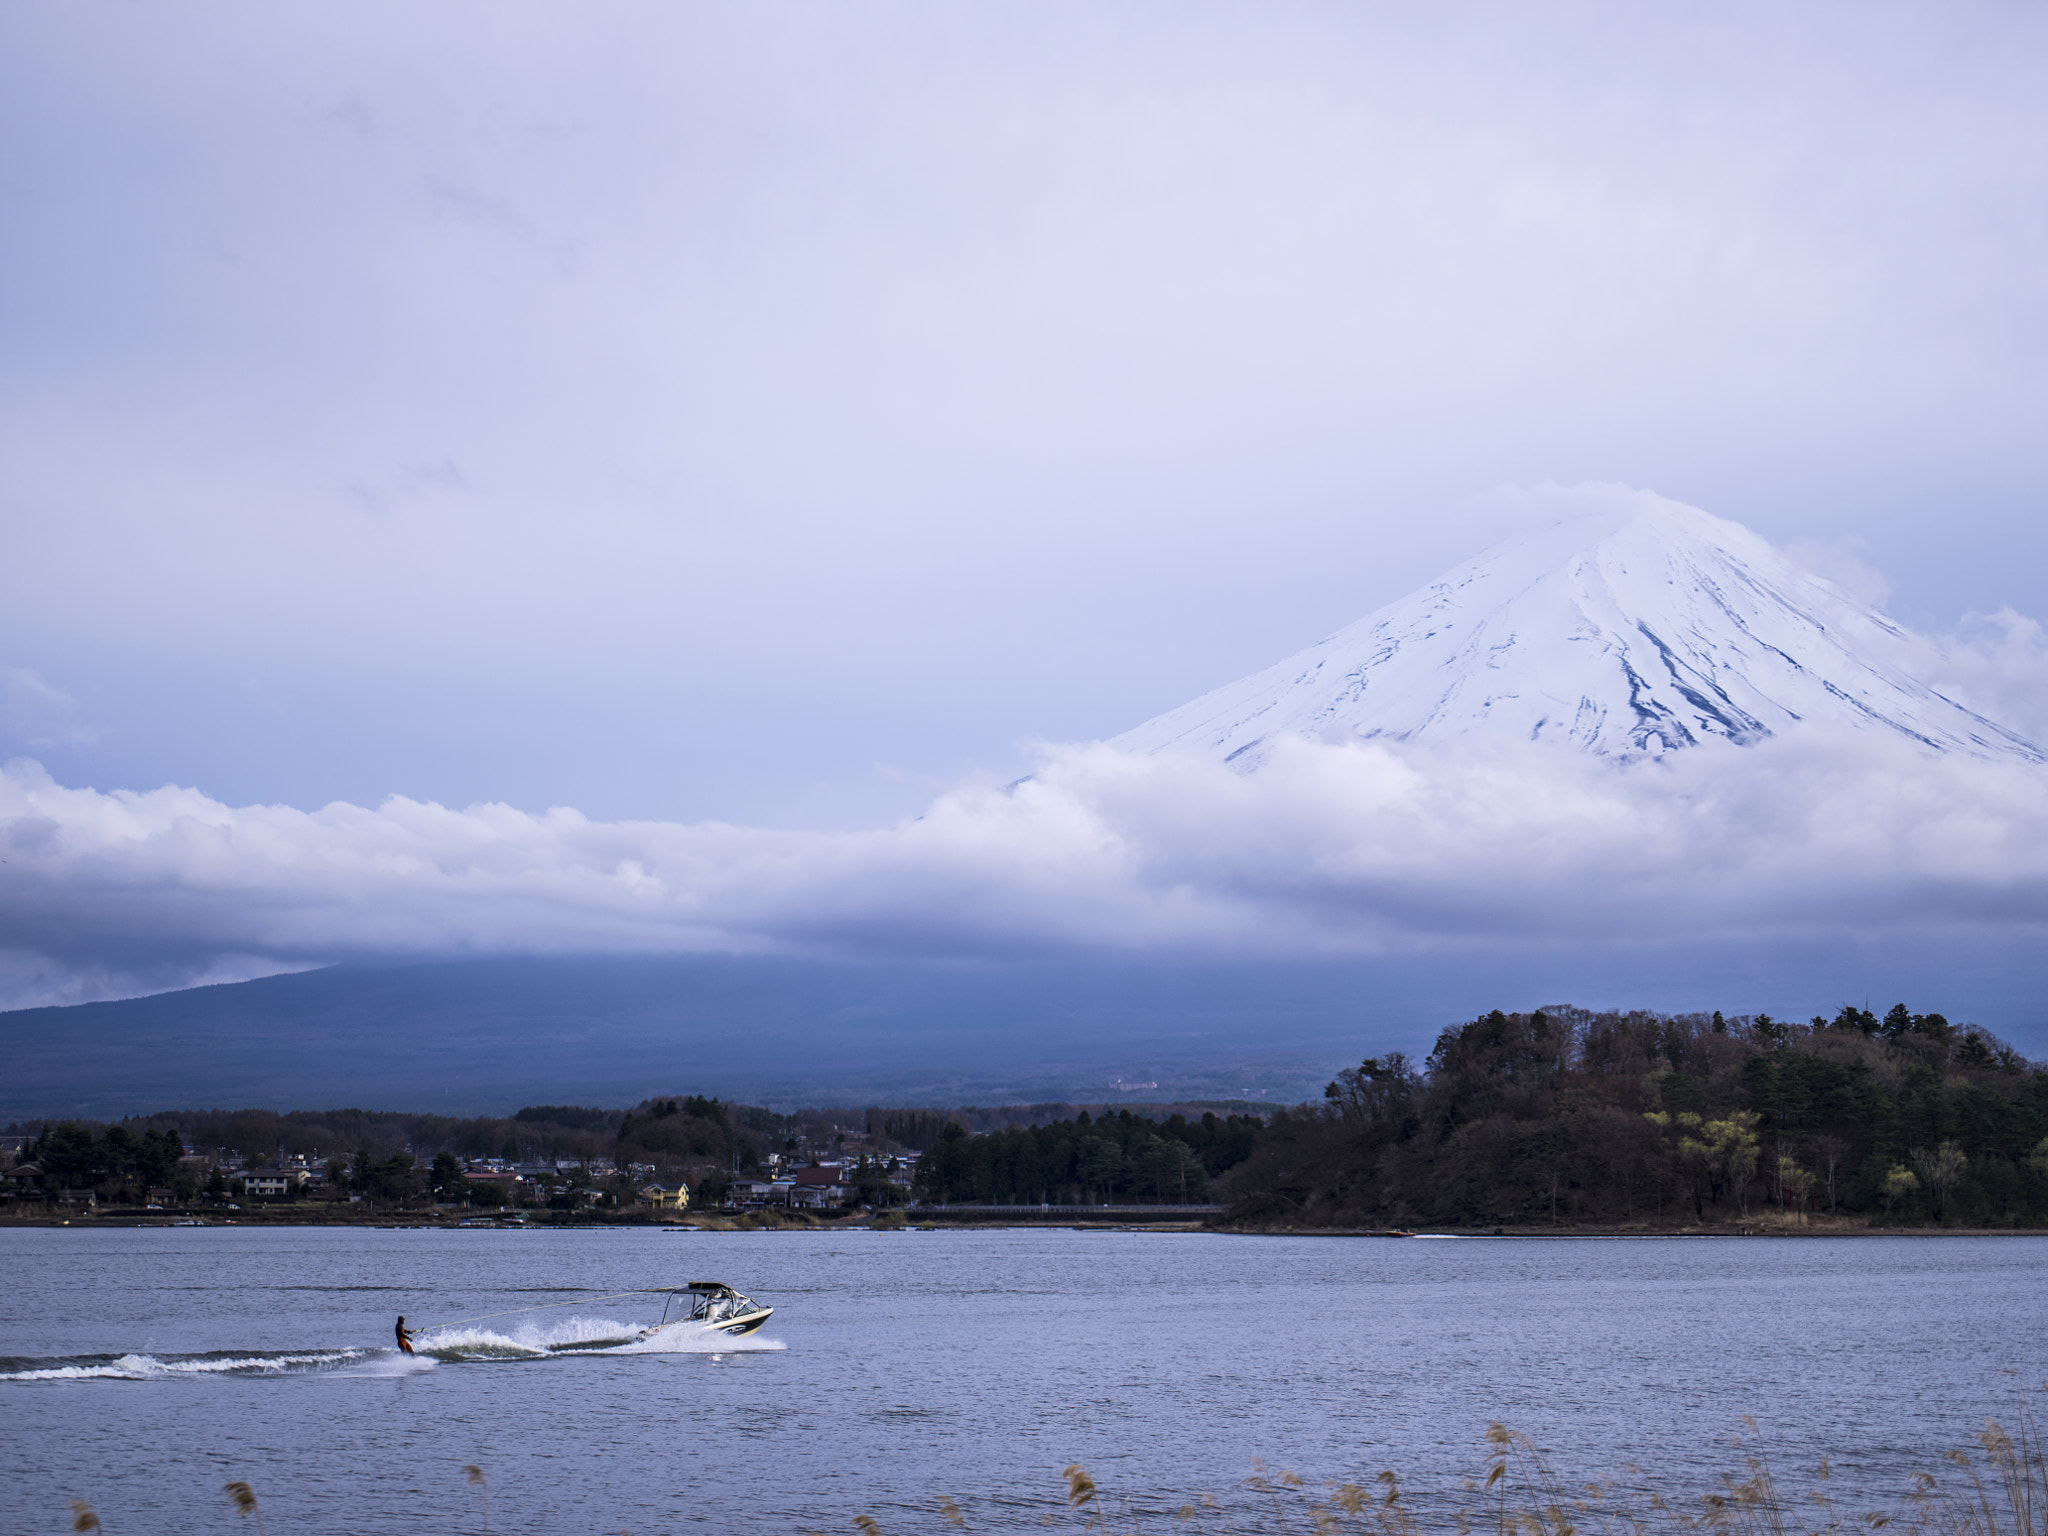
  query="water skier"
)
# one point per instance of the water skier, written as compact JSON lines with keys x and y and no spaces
{"x":404,"y":1336}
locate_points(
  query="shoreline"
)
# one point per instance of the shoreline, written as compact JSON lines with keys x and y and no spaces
{"x":900,"y":1219}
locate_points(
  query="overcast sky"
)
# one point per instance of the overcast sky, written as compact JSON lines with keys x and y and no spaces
{"x":786,"y":415}
{"x":774,"y":413}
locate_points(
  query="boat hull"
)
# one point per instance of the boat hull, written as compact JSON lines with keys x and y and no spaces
{"x":734,"y":1327}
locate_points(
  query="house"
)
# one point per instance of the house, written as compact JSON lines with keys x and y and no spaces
{"x":666,"y":1197}
{"x":23,"y":1179}
{"x":820,"y":1187}
{"x":274,"y":1184}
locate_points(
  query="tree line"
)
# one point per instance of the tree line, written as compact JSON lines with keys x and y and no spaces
{"x":1570,"y":1115}
{"x":688,"y":1126}
{"x":395,"y":1157}
{"x":1119,"y":1157}
{"x":1559,"y":1115}
{"x":125,"y":1162}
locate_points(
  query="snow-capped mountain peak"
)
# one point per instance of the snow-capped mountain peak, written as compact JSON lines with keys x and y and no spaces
{"x":1631,"y":632}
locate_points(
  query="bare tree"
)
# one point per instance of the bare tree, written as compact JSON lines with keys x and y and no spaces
{"x":1828,"y":1152}
{"x":1939,"y":1171}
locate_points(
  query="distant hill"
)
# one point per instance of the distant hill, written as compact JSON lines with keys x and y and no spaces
{"x":485,"y":1036}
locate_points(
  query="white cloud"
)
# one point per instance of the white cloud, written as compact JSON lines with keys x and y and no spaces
{"x":1327,"y":850}
{"x":31,"y":980}
{"x":1844,"y":561}
{"x":1997,"y":663}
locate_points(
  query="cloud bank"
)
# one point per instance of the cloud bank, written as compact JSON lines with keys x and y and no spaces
{"x":1328,"y":850}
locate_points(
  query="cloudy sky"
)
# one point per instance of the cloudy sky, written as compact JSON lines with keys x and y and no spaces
{"x":788,"y":417}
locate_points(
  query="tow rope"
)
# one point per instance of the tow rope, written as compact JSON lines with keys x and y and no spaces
{"x":542,"y":1306}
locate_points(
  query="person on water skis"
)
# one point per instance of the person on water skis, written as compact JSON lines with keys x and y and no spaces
{"x":404,"y":1337}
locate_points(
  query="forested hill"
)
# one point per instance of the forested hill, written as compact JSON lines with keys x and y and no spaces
{"x":1569,"y":1115}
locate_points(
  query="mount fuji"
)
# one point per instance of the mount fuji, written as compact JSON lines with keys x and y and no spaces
{"x":1629,"y":633}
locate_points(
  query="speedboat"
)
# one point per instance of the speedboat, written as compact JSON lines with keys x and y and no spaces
{"x":711,"y":1305}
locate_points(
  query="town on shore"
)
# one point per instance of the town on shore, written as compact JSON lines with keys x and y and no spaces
{"x":1560,"y":1119}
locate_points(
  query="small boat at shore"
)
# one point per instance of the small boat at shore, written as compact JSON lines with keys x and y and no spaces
{"x":710,"y":1304}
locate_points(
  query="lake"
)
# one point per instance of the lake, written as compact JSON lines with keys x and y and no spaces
{"x":142,"y":1369}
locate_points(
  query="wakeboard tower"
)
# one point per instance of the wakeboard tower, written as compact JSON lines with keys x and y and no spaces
{"x":713,"y":1305}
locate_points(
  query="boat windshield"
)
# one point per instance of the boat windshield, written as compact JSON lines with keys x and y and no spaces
{"x":716,"y":1306}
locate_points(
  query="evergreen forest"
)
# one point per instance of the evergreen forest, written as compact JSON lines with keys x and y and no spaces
{"x":1117,"y":1158}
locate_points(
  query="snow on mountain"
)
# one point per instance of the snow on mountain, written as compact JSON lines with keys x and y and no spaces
{"x":1632,"y":632}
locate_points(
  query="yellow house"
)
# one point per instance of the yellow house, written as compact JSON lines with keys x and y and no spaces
{"x":664,"y":1198}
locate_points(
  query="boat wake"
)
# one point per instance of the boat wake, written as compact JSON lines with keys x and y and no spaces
{"x":700,"y":1339}
{"x":550,"y":1340}
{"x":142,"y":1367}
{"x":583,"y":1335}
{"x":526,"y":1341}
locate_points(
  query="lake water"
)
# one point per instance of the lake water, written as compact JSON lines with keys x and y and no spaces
{"x":142,"y":1369}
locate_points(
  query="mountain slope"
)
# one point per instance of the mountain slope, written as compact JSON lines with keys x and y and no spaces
{"x":1629,"y":633}
{"x":485,"y":1036}
{"x":476,"y":1036}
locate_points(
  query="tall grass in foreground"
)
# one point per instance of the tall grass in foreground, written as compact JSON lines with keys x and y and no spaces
{"x":243,"y":1497}
{"x":475,"y":1474}
{"x":2001,"y":1489}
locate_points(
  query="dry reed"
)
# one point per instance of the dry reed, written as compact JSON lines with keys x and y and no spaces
{"x":245,"y":1502}
{"x":2001,"y":1489}
{"x":475,"y":1474}
{"x":1081,"y":1490}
